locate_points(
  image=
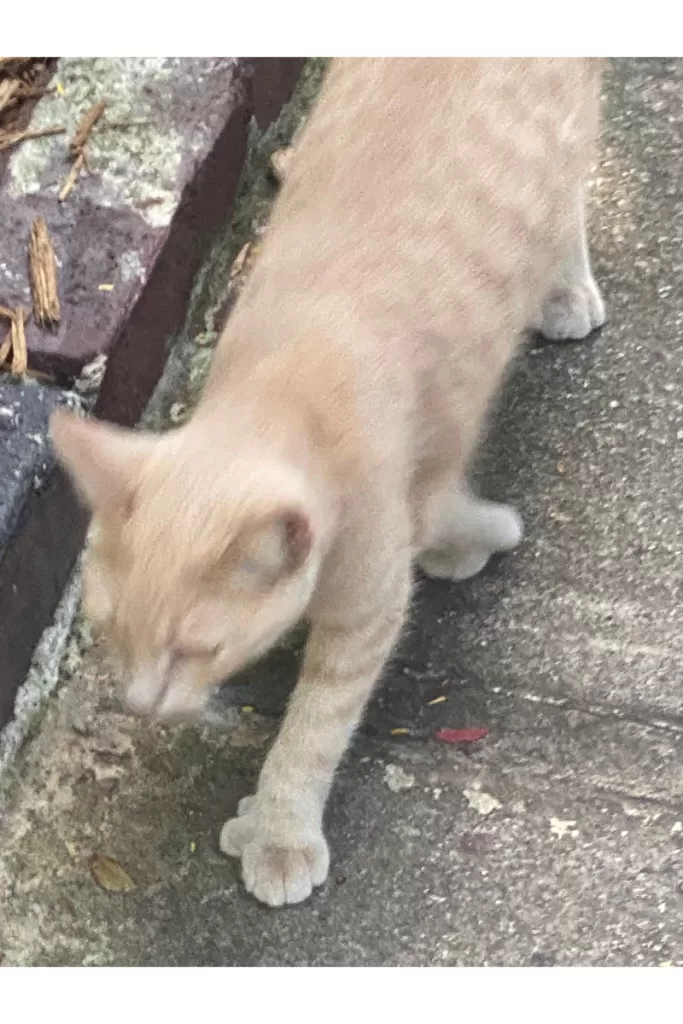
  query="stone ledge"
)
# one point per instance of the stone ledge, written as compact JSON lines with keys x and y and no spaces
{"x":143,"y":222}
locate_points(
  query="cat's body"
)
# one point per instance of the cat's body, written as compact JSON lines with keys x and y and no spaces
{"x":432,"y":213}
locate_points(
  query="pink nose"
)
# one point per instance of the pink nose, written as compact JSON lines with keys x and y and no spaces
{"x":164,"y":698}
{"x":146,"y":691}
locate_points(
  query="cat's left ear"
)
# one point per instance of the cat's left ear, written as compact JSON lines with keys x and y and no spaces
{"x":279,"y":545}
{"x":103,"y":461}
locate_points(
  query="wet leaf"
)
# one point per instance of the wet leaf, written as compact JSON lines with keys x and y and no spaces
{"x":109,"y":874}
{"x":460,"y":735}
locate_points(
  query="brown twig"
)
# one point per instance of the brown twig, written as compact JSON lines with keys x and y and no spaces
{"x":16,"y":65}
{"x":125,"y":124}
{"x":71,"y":177}
{"x":9,"y":88}
{"x":14,"y":138}
{"x":13,"y":91}
{"x":6,"y":344}
{"x":77,"y":147}
{"x":43,"y":267}
{"x":5,"y":347}
{"x":15,"y":340}
{"x":85,"y":126}
{"x":19,"y":353}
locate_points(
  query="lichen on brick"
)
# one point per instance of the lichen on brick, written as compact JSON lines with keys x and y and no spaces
{"x":136,"y":148}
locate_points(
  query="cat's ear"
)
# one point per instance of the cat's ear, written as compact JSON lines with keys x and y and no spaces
{"x":102,"y":460}
{"x":280,"y":544}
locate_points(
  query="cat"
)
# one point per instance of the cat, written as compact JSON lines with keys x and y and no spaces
{"x":431,"y":213}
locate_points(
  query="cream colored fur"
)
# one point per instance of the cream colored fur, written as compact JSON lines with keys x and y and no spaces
{"x":432,"y":212}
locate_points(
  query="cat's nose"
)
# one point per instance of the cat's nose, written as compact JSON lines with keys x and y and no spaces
{"x":144,"y":691}
{"x":166,"y":696}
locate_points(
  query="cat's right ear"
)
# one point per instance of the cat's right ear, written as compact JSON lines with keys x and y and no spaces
{"x":102,"y":460}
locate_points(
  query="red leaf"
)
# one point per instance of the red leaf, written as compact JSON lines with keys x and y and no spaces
{"x":460,"y":735}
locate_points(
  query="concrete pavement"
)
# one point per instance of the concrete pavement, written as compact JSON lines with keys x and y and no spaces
{"x":568,"y":651}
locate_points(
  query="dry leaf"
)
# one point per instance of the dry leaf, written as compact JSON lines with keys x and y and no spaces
{"x":438,"y":700}
{"x":109,"y":874}
{"x":401,"y":731}
{"x":279,"y":163}
{"x":397,"y":779}
{"x":560,"y":827}
{"x":482,"y":802}
{"x":240,"y":260}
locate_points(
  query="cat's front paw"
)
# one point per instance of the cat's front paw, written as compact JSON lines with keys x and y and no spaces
{"x":281,"y":862}
{"x":571,"y":314}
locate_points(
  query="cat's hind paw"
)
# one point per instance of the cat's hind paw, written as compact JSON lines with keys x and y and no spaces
{"x":492,"y":529}
{"x":571,"y":314}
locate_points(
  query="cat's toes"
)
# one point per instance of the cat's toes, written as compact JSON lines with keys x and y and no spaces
{"x":280,"y":863}
{"x":245,"y":805}
{"x":237,"y":833}
{"x":277,"y":875}
{"x":571,"y":314}
{"x":502,"y":528}
{"x":452,"y":565}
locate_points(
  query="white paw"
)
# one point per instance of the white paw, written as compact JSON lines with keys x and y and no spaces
{"x":281,"y":863}
{"x":571,"y":314}
{"x":502,"y":528}
{"x":494,"y":528}
{"x":453,"y":565}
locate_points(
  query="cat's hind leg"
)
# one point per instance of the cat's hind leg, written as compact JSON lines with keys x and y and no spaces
{"x":574,"y":307}
{"x":462,"y":531}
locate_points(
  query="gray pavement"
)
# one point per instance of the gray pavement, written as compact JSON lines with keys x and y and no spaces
{"x":568,"y":650}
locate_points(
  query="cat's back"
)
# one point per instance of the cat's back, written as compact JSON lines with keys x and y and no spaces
{"x":381,"y":124}
{"x":406,"y":164}
{"x":425,"y":204}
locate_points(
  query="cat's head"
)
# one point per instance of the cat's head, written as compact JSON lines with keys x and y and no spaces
{"x":199,"y":559}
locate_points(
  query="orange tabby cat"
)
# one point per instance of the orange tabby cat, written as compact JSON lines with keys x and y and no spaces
{"x":432,"y":211}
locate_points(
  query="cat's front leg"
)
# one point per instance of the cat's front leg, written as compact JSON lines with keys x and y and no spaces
{"x":278,"y":833}
{"x":574,"y":307}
